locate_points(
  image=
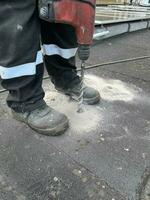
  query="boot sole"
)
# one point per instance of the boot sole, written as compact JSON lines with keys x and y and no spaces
{"x":56,"y":131}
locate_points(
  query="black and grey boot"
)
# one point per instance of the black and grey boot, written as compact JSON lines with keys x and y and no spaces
{"x":44,"y":120}
{"x":72,"y":87}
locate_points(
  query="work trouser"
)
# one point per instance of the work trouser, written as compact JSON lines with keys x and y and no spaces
{"x":21,"y":59}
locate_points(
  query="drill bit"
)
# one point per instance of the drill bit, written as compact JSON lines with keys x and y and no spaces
{"x":80,"y":98}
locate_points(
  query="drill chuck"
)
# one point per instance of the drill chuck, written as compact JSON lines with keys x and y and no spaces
{"x":84,"y":52}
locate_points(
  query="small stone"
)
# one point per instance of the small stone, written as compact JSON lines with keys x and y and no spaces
{"x":119,"y":168}
{"x":55,"y":179}
{"x":126,"y":149}
{"x":102,"y":139}
{"x":84,"y":180}
{"x":19,"y":27}
{"x":143,"y":155}
{"x":77,"y":173}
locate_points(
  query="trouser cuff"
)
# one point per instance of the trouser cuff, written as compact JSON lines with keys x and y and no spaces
{"x":24,"y":107}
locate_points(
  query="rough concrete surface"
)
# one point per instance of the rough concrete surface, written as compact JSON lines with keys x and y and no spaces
{"x":106,"y":150}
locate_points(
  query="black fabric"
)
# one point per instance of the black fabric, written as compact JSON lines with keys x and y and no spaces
{"x":64,"y":36}
{"x":19,"y":32}
{"x":19,"y":43}
{"x":25,"y":93}
{"x":20,"y":36}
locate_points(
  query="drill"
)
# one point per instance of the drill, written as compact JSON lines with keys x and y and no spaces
{"x":81,"y":15}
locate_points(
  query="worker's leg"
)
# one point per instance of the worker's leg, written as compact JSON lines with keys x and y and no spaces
{"x":60,"y":47}
{"x":21,"y":70}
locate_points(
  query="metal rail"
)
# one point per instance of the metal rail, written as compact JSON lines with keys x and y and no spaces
{"x":117,"y":62}
{"x":102,"y":65}
{"x":3,"y":90}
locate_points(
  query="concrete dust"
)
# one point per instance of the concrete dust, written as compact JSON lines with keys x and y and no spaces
{"x":112,"y":90}
{"x":79,"y":122}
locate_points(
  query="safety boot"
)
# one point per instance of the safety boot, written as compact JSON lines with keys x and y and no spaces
{"x":44,"y":120}
{"x":71,"y":86}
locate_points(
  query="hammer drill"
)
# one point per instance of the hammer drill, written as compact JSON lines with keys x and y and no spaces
{"x":81,"y":15}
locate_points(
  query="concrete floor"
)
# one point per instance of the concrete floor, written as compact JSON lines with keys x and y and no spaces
{"x":106,"y":150}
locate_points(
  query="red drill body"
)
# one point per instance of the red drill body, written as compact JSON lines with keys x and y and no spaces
{"x":78,"y":13}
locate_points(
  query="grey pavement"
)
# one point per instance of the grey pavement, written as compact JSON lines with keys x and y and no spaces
{"x":105,"y":154}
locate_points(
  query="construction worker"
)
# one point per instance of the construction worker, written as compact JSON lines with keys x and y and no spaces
{"x":21,"y":65}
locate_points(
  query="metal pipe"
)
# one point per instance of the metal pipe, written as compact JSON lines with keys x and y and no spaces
{"x":2,"y":91}
{"x":101,"y":65}
{"x":117,"y":62}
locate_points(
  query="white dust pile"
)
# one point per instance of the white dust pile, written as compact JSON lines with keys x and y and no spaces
{"x":110,"y":89}
{"x":79,"y":122}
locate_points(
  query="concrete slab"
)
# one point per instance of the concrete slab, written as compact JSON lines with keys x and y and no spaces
{"x":126,"y":46}
{"x":111,"y":139}
{"x":31,"y":168}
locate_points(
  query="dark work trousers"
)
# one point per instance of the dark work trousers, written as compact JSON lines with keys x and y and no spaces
{"x":22,"y":36}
